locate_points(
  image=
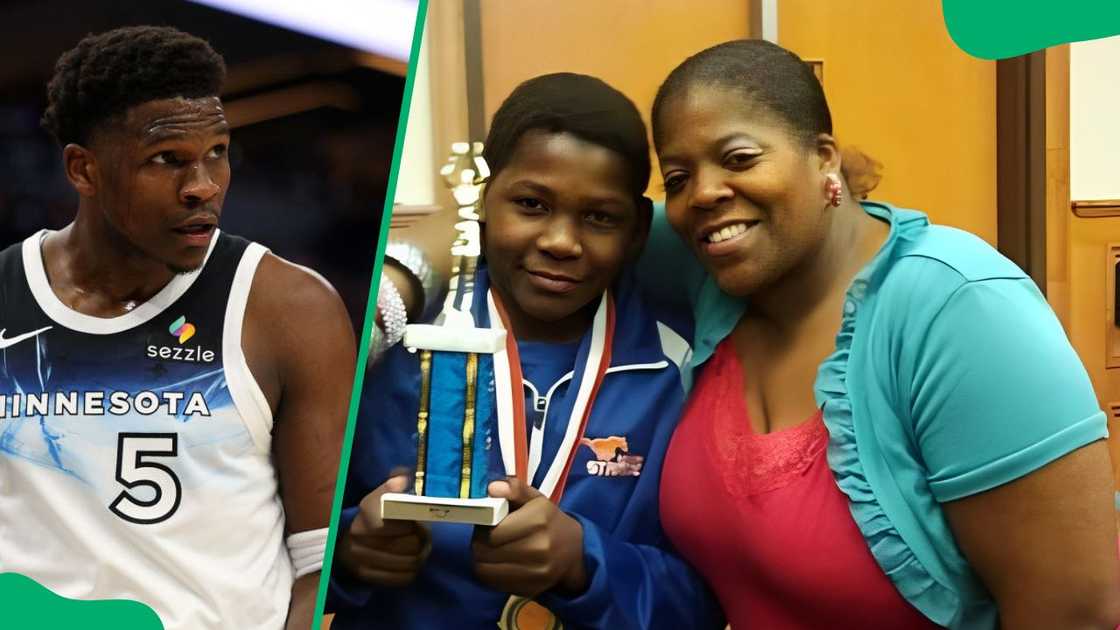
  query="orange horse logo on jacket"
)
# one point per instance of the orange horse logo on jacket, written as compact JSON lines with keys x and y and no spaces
{"x":607,"y":449}
{"x":612,"y":457}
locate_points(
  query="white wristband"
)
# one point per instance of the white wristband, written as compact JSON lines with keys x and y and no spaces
{"x":307,"y":549}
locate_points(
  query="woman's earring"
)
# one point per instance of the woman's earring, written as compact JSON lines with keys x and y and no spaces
{"x":834,"y":189}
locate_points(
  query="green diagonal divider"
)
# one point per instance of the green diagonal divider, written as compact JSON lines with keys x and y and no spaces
{"x":371,"y":309}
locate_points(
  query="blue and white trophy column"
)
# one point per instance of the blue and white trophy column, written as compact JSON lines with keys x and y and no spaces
{"x":457,"y":420}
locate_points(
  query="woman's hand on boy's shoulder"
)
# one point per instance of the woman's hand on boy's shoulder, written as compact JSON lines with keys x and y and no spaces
{"x":536,"y":547}
{"x":380,"y":551}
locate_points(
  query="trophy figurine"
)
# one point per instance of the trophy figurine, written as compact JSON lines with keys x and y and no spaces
{"x":456,"y":424}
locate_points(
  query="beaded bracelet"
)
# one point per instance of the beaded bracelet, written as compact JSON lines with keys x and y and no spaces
{"x":412,"y":259}
{"x":393,"y":316}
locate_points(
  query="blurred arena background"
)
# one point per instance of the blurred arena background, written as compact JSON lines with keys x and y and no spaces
{"x":314,"y":124}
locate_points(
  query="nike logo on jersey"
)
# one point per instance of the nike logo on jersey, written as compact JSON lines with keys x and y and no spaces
{"x":11,"y":341}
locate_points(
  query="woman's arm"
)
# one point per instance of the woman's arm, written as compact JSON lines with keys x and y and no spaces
{"x":1045,"y":545}
{"x":1012,"y":437}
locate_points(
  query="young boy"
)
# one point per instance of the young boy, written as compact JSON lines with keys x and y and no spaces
{"x":564,"y":213}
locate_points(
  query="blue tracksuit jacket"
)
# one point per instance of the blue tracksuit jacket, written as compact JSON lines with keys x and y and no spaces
{"x":636,"y":580}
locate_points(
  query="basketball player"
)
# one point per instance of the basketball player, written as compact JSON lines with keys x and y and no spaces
{"x":172,"y":398}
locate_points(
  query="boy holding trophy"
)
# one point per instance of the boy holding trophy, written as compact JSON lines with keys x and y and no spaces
{"x":587,"y":371}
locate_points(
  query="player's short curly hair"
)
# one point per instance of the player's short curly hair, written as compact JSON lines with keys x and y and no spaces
{"x":108,"y":73}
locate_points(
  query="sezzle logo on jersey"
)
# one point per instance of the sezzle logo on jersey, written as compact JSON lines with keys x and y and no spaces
{"x":183,"y":330}
{"x":96,"y":403}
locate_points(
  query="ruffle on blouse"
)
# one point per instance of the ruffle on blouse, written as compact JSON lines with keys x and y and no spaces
{"x":894,"y":556}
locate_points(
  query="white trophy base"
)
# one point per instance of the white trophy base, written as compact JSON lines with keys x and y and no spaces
{"x":409,"y":507}
{"x":452,"y":338}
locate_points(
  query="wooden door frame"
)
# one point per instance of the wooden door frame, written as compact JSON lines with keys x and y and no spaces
{"x":1021,"y":162}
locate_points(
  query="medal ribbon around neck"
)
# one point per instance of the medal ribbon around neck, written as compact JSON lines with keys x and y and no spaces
{"x":511,"y":403}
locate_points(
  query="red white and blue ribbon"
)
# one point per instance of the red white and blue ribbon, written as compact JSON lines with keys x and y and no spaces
{"x":520,"y":455}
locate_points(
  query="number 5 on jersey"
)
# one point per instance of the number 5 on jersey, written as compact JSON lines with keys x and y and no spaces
{"x":135,"y":469}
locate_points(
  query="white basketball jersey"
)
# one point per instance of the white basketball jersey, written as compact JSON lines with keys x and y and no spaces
{"x":135,"y":450}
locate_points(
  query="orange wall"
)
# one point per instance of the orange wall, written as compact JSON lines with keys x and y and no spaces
{"x":902,"y":91}
{"x":1077,"y":278}
{"x":631,"y":44}
{"x":1077,"y":265}
{"x":1089,"y":310}
{"x":1058,"y":214}
{"x":898,"y":86}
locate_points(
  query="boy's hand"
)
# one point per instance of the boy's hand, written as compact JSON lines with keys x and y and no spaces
{"x":536,"y":547}
{"x":384,"y":552}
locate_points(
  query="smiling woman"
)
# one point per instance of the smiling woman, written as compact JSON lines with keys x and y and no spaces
{"x":892,"y":399}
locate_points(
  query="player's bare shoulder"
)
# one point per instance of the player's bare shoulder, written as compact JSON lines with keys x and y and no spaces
{"x":295,"y":324}
{"x":293,"y":292}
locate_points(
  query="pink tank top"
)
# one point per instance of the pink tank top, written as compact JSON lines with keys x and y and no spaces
{"x":761,"y":518}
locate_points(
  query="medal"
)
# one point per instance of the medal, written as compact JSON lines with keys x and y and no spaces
{"x":525,"y":614}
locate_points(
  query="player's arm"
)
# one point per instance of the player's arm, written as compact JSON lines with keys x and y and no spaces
{"x":300,"y":347}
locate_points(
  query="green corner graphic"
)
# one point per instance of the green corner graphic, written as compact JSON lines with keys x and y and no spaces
{"x":24,"y":603}
{"x":997,"y":29}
